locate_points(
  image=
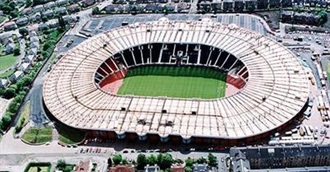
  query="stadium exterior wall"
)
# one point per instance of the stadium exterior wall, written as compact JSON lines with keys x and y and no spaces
{"x":176,"y":139}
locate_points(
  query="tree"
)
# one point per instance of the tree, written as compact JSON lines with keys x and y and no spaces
{"x":46,"y":46}
{"x":189,"y":162}
{"x":165,"y":10}
{"x":117,"y":158}
{"x":13,"y":86}
{"x":152,"y":160}
{"x":134,"y":10}
{"x":323,"y":17}
{"x":23,"y":31}
{"x":37,"y":2}
{"x":188,"y":169}
{"x":24,"y":82}
{"x":28,"y":3}
{"x":179,"y":161}
{"x":124,"y":161}
{"x":6,"y":121}
{"x":61,"y":23}
{"x":165,"y":161}
{"x":9,"y":93}
{"x":95,"y":10}
{"x":44,"y":18}
{"x":14,"y":13}
{"x":213,"y":161}
{"x":61,"y":164}
{"x":109,"y":162}
{"x":201,"y":160}
{"x":141,"y":161}
{"x":17,"y":51}
{"x":1,"y":91}
{"x":18,"y":128}
{"x":1,"y":125}
{"x":13,"y":106}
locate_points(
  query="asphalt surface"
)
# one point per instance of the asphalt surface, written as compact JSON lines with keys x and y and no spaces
{"x":88,"y":26}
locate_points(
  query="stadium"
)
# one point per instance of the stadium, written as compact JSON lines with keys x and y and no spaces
{"x":177,"y":81}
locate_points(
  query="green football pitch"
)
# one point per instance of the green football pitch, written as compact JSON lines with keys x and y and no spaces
{"x":173,"y":81}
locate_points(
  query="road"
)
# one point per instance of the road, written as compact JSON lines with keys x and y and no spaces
{"x":17,"y":162}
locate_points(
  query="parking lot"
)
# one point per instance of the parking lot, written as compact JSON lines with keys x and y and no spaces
{"x":98,"y":25}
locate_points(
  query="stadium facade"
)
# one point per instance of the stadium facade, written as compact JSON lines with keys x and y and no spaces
{"x":273,"y":85}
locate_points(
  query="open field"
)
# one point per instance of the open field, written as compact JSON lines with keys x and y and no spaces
{"x":182,"y":82}
{"x":35,"y":135}
{"x":24,"y":117}
{"x":7,"y":73}
{"x":39,"y":169}
{"x":70,"y":136}
{"x":7,"y":61}
{"x":328,"y":71}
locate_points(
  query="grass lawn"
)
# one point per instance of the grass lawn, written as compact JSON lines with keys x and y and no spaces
{"x":2,"y":18}
{"x":7,"y":74}
{"x":70,"y":136}
{"x":328,"y":71}
{"x":25,"y":113}
{"x":183,"y":82}
{"x":41,"y":169}
{"x":7,"y":61}
{"x":68,"y":167}
{"x":35,"y":135}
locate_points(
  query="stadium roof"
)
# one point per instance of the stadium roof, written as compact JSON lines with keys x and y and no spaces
{"x":276,"y":90}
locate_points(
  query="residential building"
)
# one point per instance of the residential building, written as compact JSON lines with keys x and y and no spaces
{"x":286,"y":3}
{"x":33,"y":51}
{"x":84,"y":166}
{"x":33,"y":33}
{"x":34,"y":45}
{"x":73,"y":8}
{"x":29,"y":58}
{"x":62,"y":2}
{"x":60,"y":11}
{"x":274,"y":4}
{"x":200,"y":168}
{"x":86,"y":3}
{"x":151,"y":168}
{"x":228,"y":5}
{"x":11,"y":25}
{"x":10,"y":48}
{"x":49,"y":5}
{"x":48,"y":14}
{"x":52,"y":23}
{"x":25,"y":67}
{"x":262,"y":4}
{"x":36,"y":17}
{"x":38,"y":8}
{"x":16,"y":76}
{"x":42,"y":26}
{"x":250,"y":5}
{"x":22,"y":21}
{"x":4,"y":83}
{"x":280,"y":157}
{"x":238,"y":5}
{"x":122,"y":168}
{"x":27,"y":11}
{"x":177,"y":168}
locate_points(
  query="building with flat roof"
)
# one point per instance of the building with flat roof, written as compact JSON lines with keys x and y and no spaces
{"x":281,"y":158}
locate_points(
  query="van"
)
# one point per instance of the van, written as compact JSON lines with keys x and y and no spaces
{"x":322,"y":82}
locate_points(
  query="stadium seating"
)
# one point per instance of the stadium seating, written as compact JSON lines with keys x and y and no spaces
{"x":276,"y":86}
